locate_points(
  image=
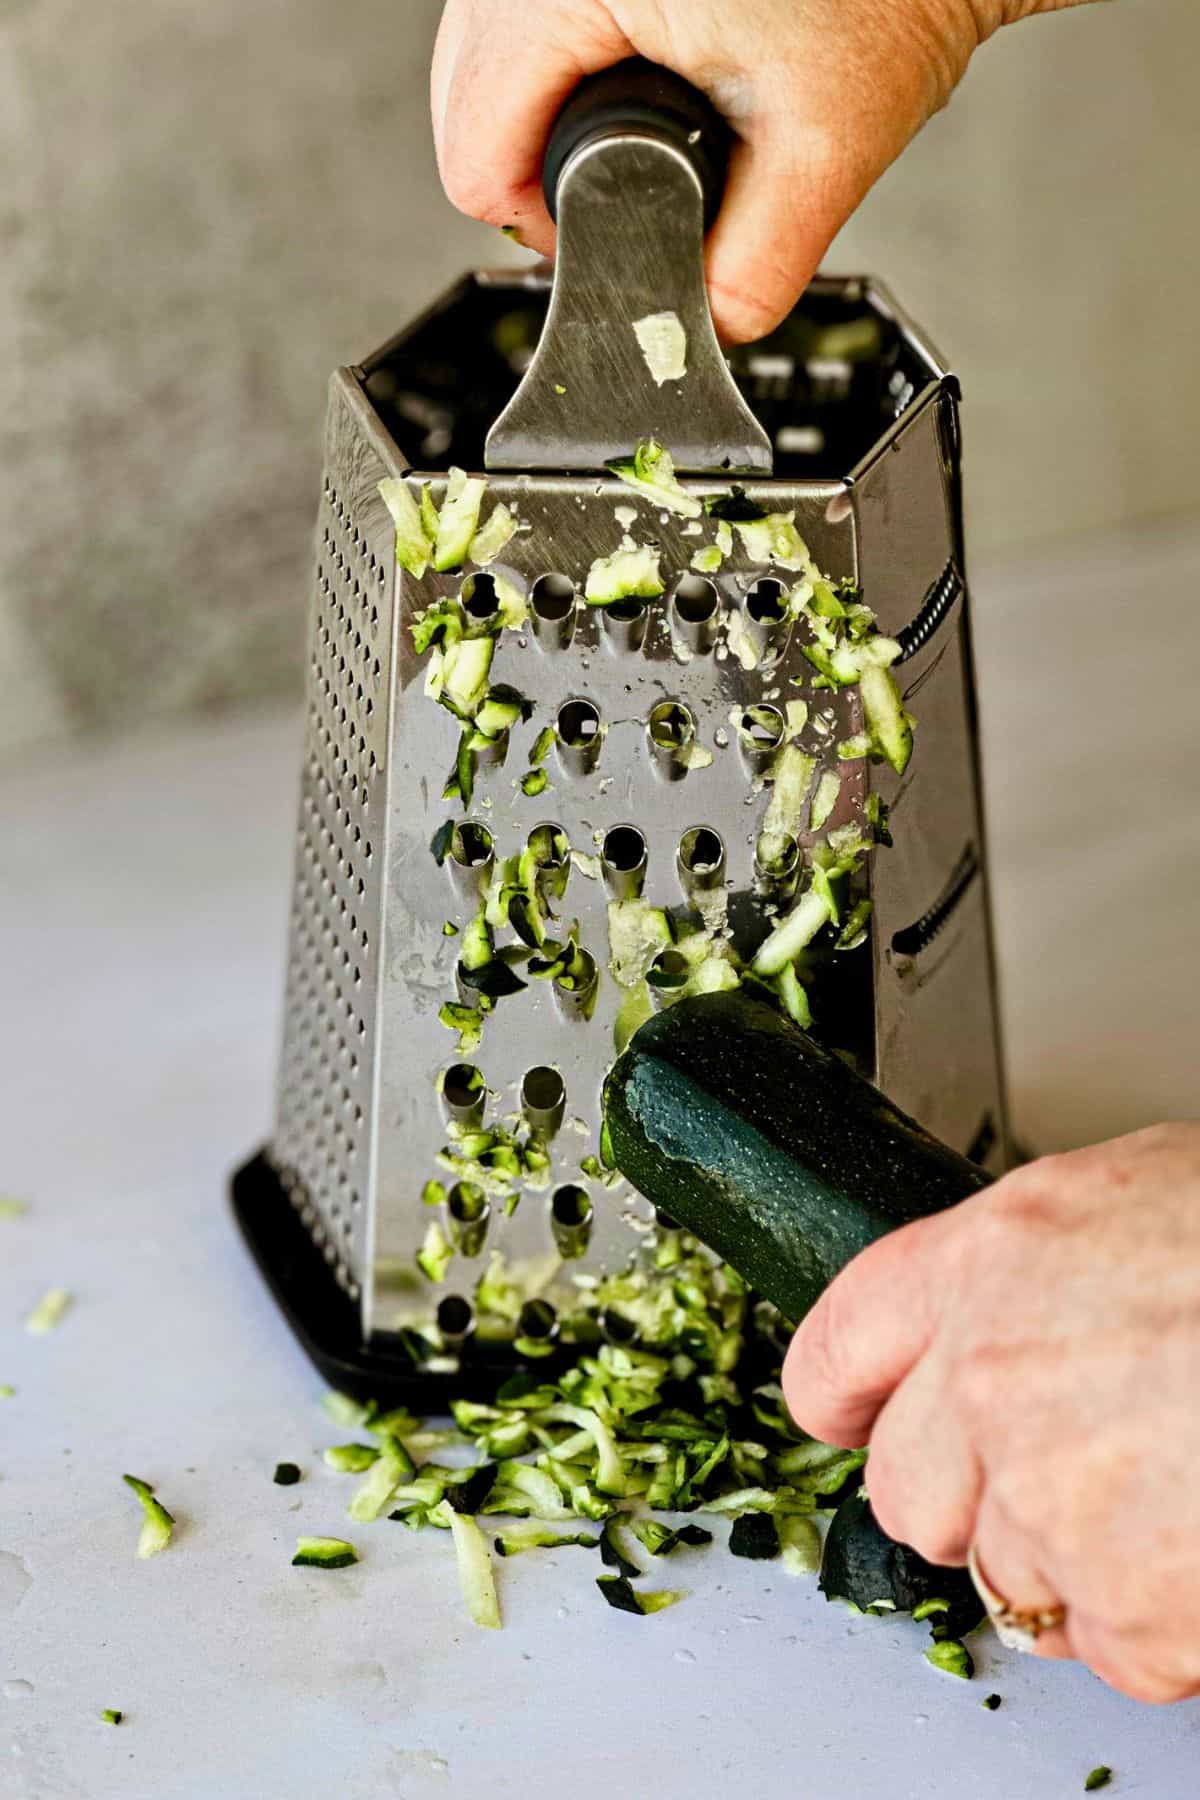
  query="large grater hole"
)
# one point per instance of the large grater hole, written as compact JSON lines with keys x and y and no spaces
{"x":574,"y":991}
{"x":672,"y":726}
{"x":571,"y":1220}
{"x":463,"y":1092}
{"x":701,"y":850}
{"x":624,"y":848}
{"x":466,"y":1203}
{"x":538,"y":1321}
{"x":467,"y":1214}
{"x":702,"y":855}
{"x":776,"y":856}
{"x":571,"y":1205}
{"x":578,"y":724}
{"x":552,"y":610}
{"x":765,"y":602}
{"x":551,"y":852}
{"x":667,"y":974}
{"x":553,"y":598}
{"x":624,"y":624}
{"x":479,"y":596}
{"x":625,"y":610}
{"x":579,"y":735}
{"x":696,"y":599}
{"x":623,"y":859}
{"x":616,"y":1328}
{"x":471,"y":845}
{"x":543,"y":1098}
{"x":761,"y":727}
{"x":455,"y":1318}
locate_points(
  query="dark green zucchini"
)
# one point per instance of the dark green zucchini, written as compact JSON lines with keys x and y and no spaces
{"x":740,"y":1127}
{"x":862,"y":1564}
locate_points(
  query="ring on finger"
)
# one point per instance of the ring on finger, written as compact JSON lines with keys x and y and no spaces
{"x":1018,"y":1628}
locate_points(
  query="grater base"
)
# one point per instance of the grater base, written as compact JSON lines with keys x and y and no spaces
{"x":327,"y":1322}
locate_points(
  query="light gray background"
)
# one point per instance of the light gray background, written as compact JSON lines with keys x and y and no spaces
{"x":203,"y":209}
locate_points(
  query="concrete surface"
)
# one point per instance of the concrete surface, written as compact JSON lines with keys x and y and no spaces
{"x":143,"y":896}
{"x":204,"y":210}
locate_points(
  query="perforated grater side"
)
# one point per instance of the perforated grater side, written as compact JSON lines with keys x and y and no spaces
{"x":659,"y":779}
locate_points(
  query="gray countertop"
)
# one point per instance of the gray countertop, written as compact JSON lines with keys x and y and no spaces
{"x":144,"y":892}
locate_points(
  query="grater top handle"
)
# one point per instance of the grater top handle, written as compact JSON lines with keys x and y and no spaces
{"x":640,"y":96}
{"x":634,"y":171}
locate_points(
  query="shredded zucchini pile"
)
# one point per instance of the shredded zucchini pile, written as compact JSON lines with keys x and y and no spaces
{"x":686,"y":1424}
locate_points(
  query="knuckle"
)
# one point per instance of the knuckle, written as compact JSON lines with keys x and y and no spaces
{"x":1026,"y":1201}
{"x":1041,"y":1497}
{"x":981,"y":1380}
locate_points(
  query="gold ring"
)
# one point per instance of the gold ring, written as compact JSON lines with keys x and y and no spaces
{"x":1018,"y":1628}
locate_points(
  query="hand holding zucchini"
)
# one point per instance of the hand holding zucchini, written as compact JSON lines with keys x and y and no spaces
{"x":740,"y":1127}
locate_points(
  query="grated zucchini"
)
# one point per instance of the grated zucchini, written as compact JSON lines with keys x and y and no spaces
{"x":157,"y":1525}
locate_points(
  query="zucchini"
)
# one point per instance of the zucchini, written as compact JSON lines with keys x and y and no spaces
{"x":458,"y":519}
{"x":350,"y":1459}
{"x":952,"y":1658}
{"x":157,"y":1524}
{"x":650,"y":471}
{"x":621,"y":1595}
{"x":888,"y":723}
{"x":465,"y":668}
{"x":323,"y":1553}
{"x":755,"y":1535}
{"x":774,"y":539}
{"x":48,"y":1312}
{"x":475,"y":1571}
{"x":862,"y":1564}
{"x":742,"y":1129}
{"x":413,"y":546}
{"x":794,"y":933}
{"x":491,"y":538}
{"x":625,"y":575}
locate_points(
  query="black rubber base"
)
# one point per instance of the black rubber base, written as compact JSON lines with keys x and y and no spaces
{"x":327,"y":1322}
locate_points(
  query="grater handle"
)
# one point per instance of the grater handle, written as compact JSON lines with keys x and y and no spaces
{"x":634,"y":170}
{"x":638,"y":96}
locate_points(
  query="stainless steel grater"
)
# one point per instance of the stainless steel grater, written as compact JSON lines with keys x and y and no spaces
{"x":658,"y":776}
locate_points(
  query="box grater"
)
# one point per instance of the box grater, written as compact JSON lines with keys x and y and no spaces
{"x":658,"y":778}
